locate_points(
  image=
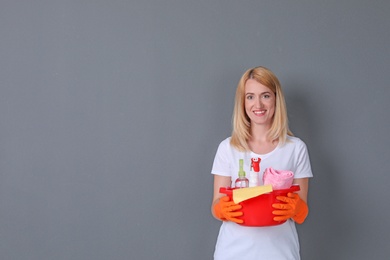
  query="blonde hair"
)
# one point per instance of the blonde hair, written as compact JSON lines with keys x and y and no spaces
{"x":241,"y":122}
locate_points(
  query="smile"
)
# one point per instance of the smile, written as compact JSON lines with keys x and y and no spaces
{"x":259,"y":112}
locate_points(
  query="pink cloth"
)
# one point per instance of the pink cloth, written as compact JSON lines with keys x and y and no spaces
{"x":279,"y":179}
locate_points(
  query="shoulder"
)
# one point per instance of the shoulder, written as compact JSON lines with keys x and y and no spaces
{"x":226,"y":142}
{"x":226,"y":147}
{"x":295,"y":142}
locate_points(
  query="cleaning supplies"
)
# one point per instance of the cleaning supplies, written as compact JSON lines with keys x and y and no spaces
{"x":242,"y":181}
{"x":279,"y":179}
{"x":254,"y":172}
{"x":257,"y":211}
{"x":240,"y":195}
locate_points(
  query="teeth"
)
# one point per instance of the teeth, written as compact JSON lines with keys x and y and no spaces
{"x":259,"y":112}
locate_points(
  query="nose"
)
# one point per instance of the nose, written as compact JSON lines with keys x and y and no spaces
{"x":259,"y":103}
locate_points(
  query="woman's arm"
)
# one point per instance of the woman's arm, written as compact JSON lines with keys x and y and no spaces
{"x":219,"y":181}
{"x":304,"y":188}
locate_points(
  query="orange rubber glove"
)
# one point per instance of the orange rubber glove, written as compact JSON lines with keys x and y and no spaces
{"x":226,"y":209}
{"x":294,"y":208}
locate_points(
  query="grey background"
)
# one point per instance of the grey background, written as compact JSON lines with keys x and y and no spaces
{"x":111,"y":113}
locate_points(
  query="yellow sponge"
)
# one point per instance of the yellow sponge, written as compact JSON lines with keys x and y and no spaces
{"x":251,"y":192}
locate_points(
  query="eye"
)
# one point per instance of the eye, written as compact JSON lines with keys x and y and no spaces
{"x":249,"y":97}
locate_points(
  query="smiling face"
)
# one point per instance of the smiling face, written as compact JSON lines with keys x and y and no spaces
{"x":259,"y":103}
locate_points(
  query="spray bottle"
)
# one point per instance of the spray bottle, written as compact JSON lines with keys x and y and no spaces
{"x":254,"y":172}
{"x":242,"y":181}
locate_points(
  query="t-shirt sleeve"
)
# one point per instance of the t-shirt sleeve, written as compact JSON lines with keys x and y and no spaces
{"x":303,"y":169}
{"x":221,"y":164}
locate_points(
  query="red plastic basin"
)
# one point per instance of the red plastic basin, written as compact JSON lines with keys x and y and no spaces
{"x":257,"y":211}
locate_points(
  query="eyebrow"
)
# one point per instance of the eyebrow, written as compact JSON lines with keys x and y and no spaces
{"x":262,"y":93}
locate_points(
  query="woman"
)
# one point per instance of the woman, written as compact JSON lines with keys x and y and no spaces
{"x":260,"y":129}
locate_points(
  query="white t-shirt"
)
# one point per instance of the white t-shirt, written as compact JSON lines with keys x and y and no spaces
{"x":274,"y":242}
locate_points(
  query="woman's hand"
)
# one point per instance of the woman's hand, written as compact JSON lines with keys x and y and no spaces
{"x":294,"y":207}
{"x":225,"y":209}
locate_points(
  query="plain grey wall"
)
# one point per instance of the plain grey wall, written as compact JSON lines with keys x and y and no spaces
{"x":111,"y":113}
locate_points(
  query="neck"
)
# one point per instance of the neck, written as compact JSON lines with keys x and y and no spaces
{"x":259,"y":133}
{"x":259,"y":142}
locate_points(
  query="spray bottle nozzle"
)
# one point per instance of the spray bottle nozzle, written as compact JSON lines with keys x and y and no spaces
{"x":255,"y":164}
